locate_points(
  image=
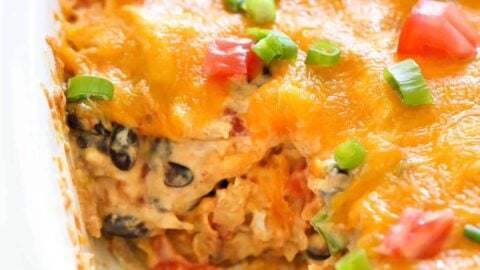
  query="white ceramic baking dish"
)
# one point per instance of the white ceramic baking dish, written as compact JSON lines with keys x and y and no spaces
{"x":37,"y":203}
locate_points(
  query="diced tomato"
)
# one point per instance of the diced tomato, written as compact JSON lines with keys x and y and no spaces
{"x":238,"y":127}
{"x":438,"y":28}
{"x":297,"y":185}
{"x":418,"y":234}
{"x":226,"y":57}
{"x":145,"y":170}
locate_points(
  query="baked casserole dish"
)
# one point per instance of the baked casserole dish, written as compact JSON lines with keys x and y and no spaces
{"x":261,"y":134}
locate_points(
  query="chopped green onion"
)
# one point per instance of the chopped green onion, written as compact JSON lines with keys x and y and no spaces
{"x":321,"y":216}
{"x":261,"y":11}
{"x":407,"y":80}
{"x":290,"y":49}
{"x":355,"y":260}
{"x":323,"y":53}
{"x":84,"y":86}
{"x":273,"y":45}
{"x":349,"y":155}
{"x":333,"y":240}
{"x":472,"y":233}
{"x":268,"y":48}
{"x":258,"y":33}
{"x":234,"y":5}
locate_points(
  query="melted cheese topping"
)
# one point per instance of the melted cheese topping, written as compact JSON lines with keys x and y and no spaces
{"x":424,"y":157}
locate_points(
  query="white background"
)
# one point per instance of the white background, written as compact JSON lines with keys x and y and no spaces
{"x":33,"y":234}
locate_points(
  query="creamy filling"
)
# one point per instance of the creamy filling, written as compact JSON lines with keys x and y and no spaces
{"x":222,"y":201}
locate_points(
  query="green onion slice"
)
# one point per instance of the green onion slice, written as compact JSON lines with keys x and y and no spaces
{"x":355,"y":260}
{"x":407,"y":81}
{"x":84,"y":86}
{"x":335,"y":241}
{"x":268,"y":48}
{"x":323,"y":53}
{"x":350,"y":154}
{"x":261,"y":11}
{"x":472,"y":233}
{"x":273,"y":45}
{"x":258,"y":33}
{"x":290,"y":49}
{"x":234,"y":5}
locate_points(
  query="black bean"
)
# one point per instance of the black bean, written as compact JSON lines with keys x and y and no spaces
{"x":72,"y":121}
{"x":177,"y":175}
{"x":124,"y":226}
{"x":86,"y":139}
{"x":121,"y":160}
{"x":100,"y":129}
{"x":318,"y":254}
{"x":123,"y":148}
{"x":82,"y":142}
{"x":317,"y":248}
{"x":132,"y":137}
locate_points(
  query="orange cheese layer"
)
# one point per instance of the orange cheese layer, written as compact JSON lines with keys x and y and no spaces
{"x":423,"y":157}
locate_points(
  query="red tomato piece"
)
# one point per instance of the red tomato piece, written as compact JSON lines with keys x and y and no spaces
{"x":255,"y":65}
{"x":418,"y":234}
{"x":438,"y":28}
{"x":238,"y":127}
{"x":297,"y":185}
{"x":226,"y":57}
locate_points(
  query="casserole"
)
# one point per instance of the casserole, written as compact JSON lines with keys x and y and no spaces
{"x":219,"y":134}
{"x":415,"y":155}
